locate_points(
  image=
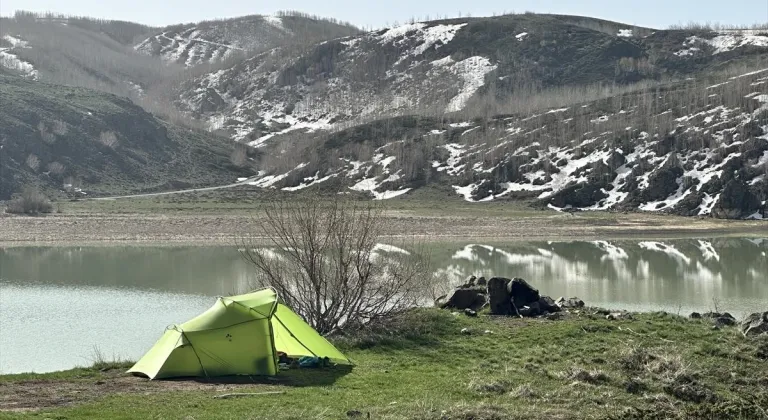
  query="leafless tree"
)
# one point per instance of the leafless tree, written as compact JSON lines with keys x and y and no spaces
{"x":325,"y":261}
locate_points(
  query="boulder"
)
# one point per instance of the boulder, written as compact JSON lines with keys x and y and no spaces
{"x":482,"y":281}
{"x":725,"y":321}
{"x":522,"y":293}
{"x":499,"y":297}
{"x":755,"y":324}
{"x":548,"y":305}
{"x":467,"y":298}
{"x":720,"y":319}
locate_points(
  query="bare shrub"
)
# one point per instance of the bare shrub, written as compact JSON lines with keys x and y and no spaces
{"x":48,"y":138}
{"x":45,"y":135}
{"x":56,"y":168}
{"x":239,"y":156}
{"x":33,"y":162}
{"x":59,"y":128}
{"x":108,"y":138}
{"x":325,"y":261}
{"x":31,"y":201}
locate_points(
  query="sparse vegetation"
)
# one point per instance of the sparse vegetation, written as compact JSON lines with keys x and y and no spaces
{"x":30,"y":202}
{"x":523,"y":369}
{"x":325,"y":261}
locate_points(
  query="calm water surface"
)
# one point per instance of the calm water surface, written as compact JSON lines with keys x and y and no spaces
{"x":57,"y":305}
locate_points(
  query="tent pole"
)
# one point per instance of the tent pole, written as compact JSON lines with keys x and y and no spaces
{"x":196,"y":355}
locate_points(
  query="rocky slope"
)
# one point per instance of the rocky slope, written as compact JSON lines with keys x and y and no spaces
{"x":688,"y":148}
{"x":459,"y":65}
{"x":88,"y":142}
{"x":214,"y":41}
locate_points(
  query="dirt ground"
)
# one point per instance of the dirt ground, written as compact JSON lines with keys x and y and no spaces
{"x":63,"y":229}
{"x":37,"y":394}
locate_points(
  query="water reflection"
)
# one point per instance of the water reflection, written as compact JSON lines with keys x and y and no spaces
{"x":646,"y":275}
{"x":121,"y":298}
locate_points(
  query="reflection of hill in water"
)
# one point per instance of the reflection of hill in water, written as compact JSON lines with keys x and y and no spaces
{"x":648,"y":274}
{"x":199,"y":270}
{"x":675,"y":272}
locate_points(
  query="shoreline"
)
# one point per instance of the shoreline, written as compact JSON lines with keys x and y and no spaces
{"x":184,"y":229}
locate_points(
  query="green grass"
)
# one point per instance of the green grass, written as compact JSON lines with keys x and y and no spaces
{"x":422,"y":367}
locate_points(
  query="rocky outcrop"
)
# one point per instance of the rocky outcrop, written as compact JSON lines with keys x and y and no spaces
{"x":736,"y":201}
{"x":755,"y":324}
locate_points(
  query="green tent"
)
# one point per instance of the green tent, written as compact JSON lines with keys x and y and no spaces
{"x":238,"y":335}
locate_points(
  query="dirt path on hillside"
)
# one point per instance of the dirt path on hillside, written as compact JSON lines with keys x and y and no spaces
{"x":63,"y":229}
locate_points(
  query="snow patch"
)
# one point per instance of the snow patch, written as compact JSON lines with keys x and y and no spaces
{"x":666,"y":249}
{"x":472,"y":71}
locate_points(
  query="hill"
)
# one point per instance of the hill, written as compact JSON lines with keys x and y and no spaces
{"x":690,"y":148}
{"x":214,"y":41}
{"x":135,"y":60}
{"x":69,"y":138}
{"x":471,"y":66}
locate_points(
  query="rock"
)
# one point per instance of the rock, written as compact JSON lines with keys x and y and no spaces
{"x":441,"y":301}
{"x":487,"y":332}
{"x":569,"y":303}
{"x":548,"y":305}
{"x":466,"y":331}
{"x":663,"y":181}
{"x":755,"y":324}
{"x":578,"y":195}
{"x":535,"y":308}
{"x":470,"y":312}
{"x":355,"y":414}
{"x":522,"y":293}
{"x":736,"y":201}
{"x":694,"y":315}
{"x":473,"y":298}
{"x":498,"y":296}
{"x":618,"y":316}
{"x":725,"y":321}
{"x":471,"y":281}
{"x":554,"y":316}
{"x":720,"y":319}
{"x":525,"y":311}
{"x":482,"y":281}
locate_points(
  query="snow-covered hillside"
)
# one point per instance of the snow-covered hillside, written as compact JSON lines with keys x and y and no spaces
{"x":433,"y":68}
{"x":214,"y":41}
{"x":639,"y":151}
{"x":10,"y":60}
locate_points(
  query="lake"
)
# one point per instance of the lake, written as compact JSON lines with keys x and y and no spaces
{"x":59,"y":304}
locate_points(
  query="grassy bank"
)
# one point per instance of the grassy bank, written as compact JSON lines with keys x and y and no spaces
{"x":423,"y":367}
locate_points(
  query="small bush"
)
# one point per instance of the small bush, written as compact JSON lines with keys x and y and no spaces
{"x":31,"y":201}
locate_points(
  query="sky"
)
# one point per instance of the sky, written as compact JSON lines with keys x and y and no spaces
{"x":377,"y":13}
